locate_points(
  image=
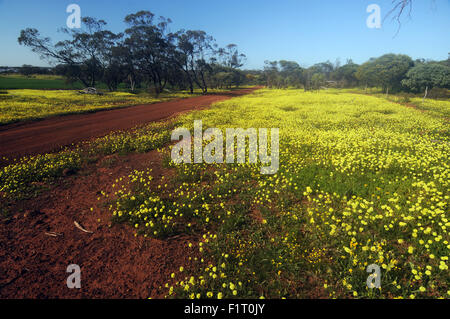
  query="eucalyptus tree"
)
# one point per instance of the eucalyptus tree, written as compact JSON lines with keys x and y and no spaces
{"x":148,"y":48}
{"x":195,"y":53}
{"x":425,"y":76}
{"x":292,"y":73}
{"x":346,"y":74}
{"x":85,"y":54}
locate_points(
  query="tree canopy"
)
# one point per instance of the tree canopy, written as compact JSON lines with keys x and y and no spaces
{"x":145,"y":53}
{"x":427,"y":76}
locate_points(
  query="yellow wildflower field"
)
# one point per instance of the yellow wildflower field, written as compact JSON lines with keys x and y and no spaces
{"x":362,"y":181}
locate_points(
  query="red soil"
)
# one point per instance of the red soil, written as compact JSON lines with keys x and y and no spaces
{"x":114,"y":263}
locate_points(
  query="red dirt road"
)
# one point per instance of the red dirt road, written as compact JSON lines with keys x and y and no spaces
{"x":50,"y":134}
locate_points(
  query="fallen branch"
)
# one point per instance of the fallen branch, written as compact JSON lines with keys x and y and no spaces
{"x":81,"y":228}
{"x":52,"y":233}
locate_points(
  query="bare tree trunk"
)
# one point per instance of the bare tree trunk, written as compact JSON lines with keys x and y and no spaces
{"x":205,"y":90}
{"x":130,"y":78}
{"x":387,"y":91}
{"x":426,"y":93}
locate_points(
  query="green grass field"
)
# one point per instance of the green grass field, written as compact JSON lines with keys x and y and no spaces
{"x":37,"y":82}
{"x":361,"y":181}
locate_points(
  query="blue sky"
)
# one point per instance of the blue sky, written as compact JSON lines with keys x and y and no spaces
{"x":306,"y":31}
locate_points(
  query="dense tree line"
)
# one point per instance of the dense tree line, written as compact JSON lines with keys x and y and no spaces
{"x":145,"y":55}
{"x":391,"y":72}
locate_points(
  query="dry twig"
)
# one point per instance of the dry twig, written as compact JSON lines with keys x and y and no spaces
{"x":81,"y":228}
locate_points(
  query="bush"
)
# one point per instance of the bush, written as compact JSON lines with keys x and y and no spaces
{"x":439,"y":93}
